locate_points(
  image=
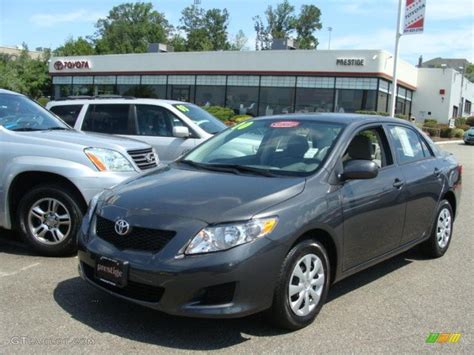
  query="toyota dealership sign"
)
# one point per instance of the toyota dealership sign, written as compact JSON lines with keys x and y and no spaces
{"x":72,"y":64}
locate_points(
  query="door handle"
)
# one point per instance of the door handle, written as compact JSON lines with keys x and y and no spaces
{"x":437,"y":172}
{"x":398,"y":183}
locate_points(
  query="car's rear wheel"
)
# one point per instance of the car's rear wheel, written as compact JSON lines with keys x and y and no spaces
{"x":302,"y":286}
{"x":49,"y":218}
{"x":438,"y":243}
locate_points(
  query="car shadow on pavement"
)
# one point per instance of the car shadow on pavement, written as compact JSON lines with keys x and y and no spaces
{"x":107,"y":314}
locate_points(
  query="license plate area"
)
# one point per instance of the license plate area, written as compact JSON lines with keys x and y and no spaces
{"x":111,"y":271}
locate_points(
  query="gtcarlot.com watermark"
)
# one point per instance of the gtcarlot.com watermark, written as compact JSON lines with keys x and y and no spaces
{"x":49,"y":341}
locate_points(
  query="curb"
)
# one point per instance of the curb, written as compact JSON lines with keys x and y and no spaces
{"x":449,"y":142}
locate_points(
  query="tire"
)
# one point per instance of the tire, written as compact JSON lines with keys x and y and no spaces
{"x":282,"y":313}
{"x":442,"y":231}
{"x":44,"y":209}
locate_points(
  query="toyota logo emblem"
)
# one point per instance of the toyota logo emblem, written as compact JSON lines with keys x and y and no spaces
{"x":122,"y":227}
{"x":58,"y":65}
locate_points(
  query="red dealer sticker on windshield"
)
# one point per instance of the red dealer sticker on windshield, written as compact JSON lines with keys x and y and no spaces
{"x":285,"y":124}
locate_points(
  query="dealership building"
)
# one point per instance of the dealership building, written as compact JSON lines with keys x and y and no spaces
{"x":269,"y":82}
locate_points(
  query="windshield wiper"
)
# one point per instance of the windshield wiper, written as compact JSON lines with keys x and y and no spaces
{"x":208,"y":166}
{"x":248,"y":169}
{"x":26,"y":129}
{"x":58,"y":129}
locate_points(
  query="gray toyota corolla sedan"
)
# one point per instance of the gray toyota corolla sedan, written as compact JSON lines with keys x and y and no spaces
{"x":268,"y":214}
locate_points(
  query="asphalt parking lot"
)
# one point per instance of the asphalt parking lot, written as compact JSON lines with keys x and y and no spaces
{"x":391,"y":307}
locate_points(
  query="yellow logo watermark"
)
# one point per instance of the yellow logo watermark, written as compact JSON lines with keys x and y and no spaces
{"x":443,"y":338}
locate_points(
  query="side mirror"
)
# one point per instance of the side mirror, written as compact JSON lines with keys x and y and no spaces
{"x":181,"y":132}
{"x":359,"y":169}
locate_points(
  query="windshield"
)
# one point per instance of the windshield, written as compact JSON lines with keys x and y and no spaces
{"x":202,"y":118}
{"x":18,"y":113}
{"x":279,"y":147}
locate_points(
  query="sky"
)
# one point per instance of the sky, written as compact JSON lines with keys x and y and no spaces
{"x":356,"y":24}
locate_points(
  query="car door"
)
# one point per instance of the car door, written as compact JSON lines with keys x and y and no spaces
{"x":154,"y":125}
{"x":423,"y":183}
{"x":373,"y":209}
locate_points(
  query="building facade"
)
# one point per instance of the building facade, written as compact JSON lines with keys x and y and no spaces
{"x":249,"y":82}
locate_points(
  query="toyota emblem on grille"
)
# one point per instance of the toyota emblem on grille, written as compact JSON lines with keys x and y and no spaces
{"x":122,"y":227}
{"x":150,"y":157}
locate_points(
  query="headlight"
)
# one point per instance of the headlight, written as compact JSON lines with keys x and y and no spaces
{"x":226,"y":236}
{"x":108,"y":160}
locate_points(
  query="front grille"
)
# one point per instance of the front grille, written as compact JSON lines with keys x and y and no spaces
{"x":134,"y":290}
{"x":141,"y":239}
{"x":144,"y":158}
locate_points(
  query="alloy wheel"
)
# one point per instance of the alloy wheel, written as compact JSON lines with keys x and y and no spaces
{"x":49,"y":221}
{"x":443,"y":228}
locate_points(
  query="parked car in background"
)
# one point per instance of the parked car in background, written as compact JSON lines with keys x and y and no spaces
{"x":49,"y":172}
{"x":321,"y":197}
{"x":469,"y":136}
{"x":171,"y":127}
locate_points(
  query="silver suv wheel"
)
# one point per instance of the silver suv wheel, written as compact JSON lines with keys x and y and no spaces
{"x":49,"y":221}
{"x":306,"y":285}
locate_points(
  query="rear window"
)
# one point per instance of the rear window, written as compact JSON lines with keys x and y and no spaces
{"x":68,"y":113}
{"x":111,"y":119}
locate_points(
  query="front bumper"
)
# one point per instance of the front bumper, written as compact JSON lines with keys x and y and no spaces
{"x":228,"y":284}
{"x":469,"y":140}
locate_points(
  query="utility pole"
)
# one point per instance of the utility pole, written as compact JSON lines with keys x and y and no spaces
{"x":395,"y":61}
{"x":329,"y":43}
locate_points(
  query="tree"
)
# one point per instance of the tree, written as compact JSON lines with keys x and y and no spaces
{"x":129,"y":28}
{"x":80,"y":46}
{"x":307,"y":23}
{"x":239,"y":42}
{"x":25,"y":75}
{"x":205,"y":30}
{"x":281,"y":22}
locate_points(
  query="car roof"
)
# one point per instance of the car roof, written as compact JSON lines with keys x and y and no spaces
{"x":4,"y":91}
{"x":120,"y":100}
{"x":342,"y":118}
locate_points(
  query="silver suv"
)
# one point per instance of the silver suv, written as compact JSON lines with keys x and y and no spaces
{"x":171,"y":127}
{"x":49,"y":172}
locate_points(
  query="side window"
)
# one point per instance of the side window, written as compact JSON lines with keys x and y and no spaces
{"x":370,"y":144}
{"x":112,"y":119}
{"x":68,"y":113}
{"x":156,"y":121}
{"x":407,"y":144}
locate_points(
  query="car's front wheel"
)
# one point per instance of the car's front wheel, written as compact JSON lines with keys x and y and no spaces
{"x":442,"y":232}
{"x":49,"y":218}
{"x":302,"y":286}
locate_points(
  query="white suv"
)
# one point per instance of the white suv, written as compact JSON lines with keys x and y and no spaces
{"x":171,"y":127}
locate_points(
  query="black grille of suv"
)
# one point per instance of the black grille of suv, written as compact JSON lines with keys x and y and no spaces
{"x":142,"y":239}
{"x":135,"y":290}
{"x":144,"y":158}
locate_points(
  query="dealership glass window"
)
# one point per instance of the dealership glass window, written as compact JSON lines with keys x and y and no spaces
{"x":356,"y":83}
{"x":112,"y":119}
{"x":382,"y":101}
{"x":62,"y":86}
{"x":278,"y":81}
{"x":315,"y":82}
{"x":82,"y":85}
{"x":104,"y":85}
{"x":354,"y":100}
{"x":276,"y":100}
{"x":153,"y":86}
{"x":467,"y":107}
{"x":243,"y":80}
{"x":242,"y":99}
{"x":128,"y":85}
{"x":210,"y":95}
{"x":314,"y":100}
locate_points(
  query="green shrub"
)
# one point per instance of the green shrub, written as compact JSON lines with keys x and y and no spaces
{"x":460,"y":121}
{"x":446,"y":132}
{"x":403,"y":117}
{"x":464,"y":127}
{"x":429,"y":122}
{"x":431,"y":131}
{"x":241,"y":118}
{"x":458,"y":133}
{"x":43,"y":101}
{"x":222,"y":113}
{"x":377,"y":113}
{"x":470,"y":121}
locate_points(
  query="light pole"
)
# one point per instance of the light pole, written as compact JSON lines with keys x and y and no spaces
{"x":329,"y":43}
{"x":395,"y":62}
{"x":461,"y":102}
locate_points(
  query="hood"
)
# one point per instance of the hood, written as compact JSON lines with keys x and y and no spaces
{"x":211,"y":197}
{"x":75,"y":138}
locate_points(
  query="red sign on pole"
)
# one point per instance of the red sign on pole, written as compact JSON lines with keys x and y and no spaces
{"x":414,"y":16}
